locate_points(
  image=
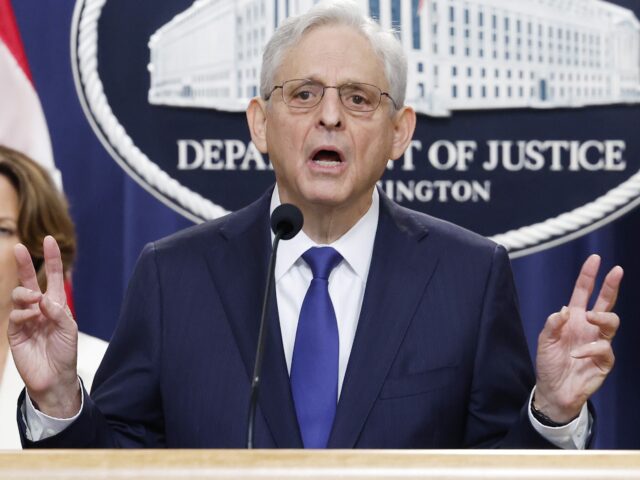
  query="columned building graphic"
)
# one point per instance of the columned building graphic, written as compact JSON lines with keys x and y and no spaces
{"x":210,"y":54}
{"x":463,"y":54}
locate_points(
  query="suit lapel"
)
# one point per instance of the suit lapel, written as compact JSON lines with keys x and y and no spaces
{"x":239,"y":270}
{"x":401,"y":267}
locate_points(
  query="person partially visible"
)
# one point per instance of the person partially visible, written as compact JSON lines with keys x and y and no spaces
{"x":31,"y":207}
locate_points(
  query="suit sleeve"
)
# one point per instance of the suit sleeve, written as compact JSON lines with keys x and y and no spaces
{"x":503,"y":373}
{"x":125,"y":407}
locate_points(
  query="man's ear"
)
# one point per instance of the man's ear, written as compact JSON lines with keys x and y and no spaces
{"x":404,"y":124}
{"x":257,"y":120}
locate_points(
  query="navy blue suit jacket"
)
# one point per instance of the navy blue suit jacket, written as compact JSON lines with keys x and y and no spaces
{"x":439,"y":358}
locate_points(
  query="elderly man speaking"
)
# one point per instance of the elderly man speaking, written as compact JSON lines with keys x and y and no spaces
{"x":388,"y":328}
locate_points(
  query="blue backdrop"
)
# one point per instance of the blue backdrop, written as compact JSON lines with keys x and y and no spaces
{"x":115,"y":217}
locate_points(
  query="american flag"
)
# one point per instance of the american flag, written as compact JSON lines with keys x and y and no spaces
{"x":22,"y":123}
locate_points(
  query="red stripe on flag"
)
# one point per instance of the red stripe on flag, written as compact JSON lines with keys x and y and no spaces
{"x":10,"y":36}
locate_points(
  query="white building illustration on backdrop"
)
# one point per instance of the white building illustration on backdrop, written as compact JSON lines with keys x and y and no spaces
{"x":463,"y":54}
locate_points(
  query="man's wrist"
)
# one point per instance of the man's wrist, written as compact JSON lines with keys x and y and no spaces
{"x":546,"y":420}
{"x":570,"y":436}
{"x":552,"y":412}
{"x":58,"y":403}
{"x":39,"y":425}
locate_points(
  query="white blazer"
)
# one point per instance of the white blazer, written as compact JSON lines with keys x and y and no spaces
{"x":90,"y":353}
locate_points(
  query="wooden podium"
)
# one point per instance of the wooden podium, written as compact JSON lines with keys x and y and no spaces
{"x":316,"y":465}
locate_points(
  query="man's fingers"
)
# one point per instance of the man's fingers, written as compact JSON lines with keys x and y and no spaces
{"x":18,"y":317}
{"x":555,"y":322}
{"x":23,"y":298}
{"x":609,"y":291}
{"x":26,"y":271}
{"x":585,"y":282}
{"x":53,"y":268}
{"x":55,"y":311}
{"x":599,"y":352}
{"x":607,"y":322}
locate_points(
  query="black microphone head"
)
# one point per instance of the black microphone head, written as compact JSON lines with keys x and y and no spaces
{"x":286,"y":219}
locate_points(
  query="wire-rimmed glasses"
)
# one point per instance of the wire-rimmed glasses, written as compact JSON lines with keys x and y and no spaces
{"x":305,"y":93}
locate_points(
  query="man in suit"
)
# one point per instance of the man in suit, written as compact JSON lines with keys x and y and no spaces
{"x":412,"y":323}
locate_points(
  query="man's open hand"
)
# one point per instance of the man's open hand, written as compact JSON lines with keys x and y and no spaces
{"x":574,"y":348}
{"x":43,"y":335}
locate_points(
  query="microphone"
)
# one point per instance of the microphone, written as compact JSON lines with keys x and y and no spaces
{"x":286,"y":219}
{"x":286,"y":222}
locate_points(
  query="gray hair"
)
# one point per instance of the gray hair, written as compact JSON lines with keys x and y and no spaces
{"x":384,"y":43}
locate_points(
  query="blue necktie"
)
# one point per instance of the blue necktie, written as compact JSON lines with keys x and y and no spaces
{"x":314,"y":367}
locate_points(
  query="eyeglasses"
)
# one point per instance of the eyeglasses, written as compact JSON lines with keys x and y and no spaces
{"x":305,"y":94}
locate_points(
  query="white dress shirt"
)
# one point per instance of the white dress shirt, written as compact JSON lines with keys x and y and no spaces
{"x":347,"y":283}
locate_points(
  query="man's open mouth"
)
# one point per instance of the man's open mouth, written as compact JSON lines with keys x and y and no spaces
{"x":327,"y":157}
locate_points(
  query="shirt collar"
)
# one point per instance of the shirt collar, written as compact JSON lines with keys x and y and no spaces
{"x":355,"y":246}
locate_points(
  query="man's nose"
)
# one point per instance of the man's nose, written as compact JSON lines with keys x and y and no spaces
{"x":331,"y":110}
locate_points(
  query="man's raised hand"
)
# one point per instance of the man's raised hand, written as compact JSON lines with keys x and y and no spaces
{"x":43,"y":335}
{"x":574,"y":348}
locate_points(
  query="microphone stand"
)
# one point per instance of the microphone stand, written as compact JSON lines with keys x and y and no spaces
{"x":255,"y":379}
{"x":286,"y":222}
